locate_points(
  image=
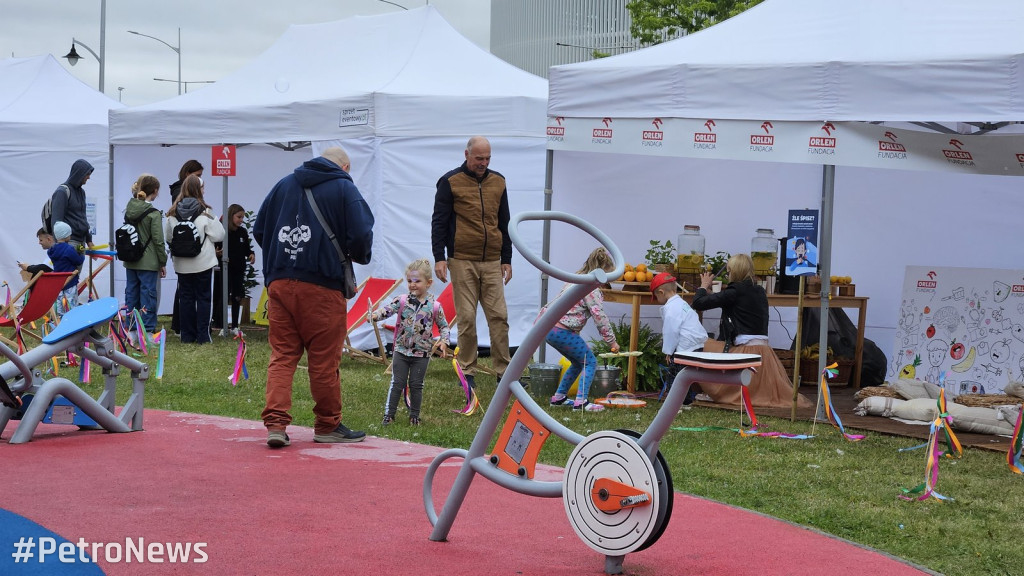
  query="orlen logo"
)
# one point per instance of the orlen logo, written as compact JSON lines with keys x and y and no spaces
{"x":605,"y":132}
{"x":890,"y":145}
{"x":823,"y":141}
{"x":1018,"y":289}
{"x":766,"y":139}
{"x":655,"y":134}
{"x":927,"y":283}
{"x":1020,"y":158}
{"x":708,"y":137}
{"x":557,"y":130}
{"x":959,"y":153}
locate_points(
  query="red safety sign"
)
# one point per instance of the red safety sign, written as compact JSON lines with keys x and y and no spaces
{"x":223,"y":160}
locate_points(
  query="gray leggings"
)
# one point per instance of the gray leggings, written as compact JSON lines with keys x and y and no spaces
{"x":411,"y":370}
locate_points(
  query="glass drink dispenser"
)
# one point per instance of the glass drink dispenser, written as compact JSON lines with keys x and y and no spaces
{"x":762,"y":252}
{"x":690,"y":254}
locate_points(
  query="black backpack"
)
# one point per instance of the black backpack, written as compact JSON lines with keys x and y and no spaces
{"x":47,"y":213}
{"x":128,"y":239}
{"x":184,"y":241}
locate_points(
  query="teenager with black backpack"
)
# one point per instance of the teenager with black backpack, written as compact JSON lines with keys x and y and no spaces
{"x":191,"y":231}
{"x":140,"y":247}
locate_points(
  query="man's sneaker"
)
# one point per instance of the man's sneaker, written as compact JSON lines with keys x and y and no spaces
{"x":587,"y":406}
{"x":471,"y":380}
{"x":340,"y":434}
{"x":414,"y":420}
{"x":387,"y":420}
{"x":561,"y":401}
{"x":277,"y":439}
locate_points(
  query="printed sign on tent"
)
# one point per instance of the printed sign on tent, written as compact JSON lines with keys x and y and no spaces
{"x":223,"y":160}
{"x":802,"y":243}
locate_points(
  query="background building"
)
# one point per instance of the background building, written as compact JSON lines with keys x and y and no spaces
{"x":537,"y":34}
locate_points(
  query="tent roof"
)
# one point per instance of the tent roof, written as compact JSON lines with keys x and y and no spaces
{"x":869,"y":60}
{"x":44,"y":107}
{"x":400,"y":74}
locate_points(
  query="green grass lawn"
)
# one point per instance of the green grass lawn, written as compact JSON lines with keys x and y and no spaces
{"x":846,"y":489}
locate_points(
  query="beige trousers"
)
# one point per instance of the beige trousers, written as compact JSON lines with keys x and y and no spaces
{"x":480,"y":283}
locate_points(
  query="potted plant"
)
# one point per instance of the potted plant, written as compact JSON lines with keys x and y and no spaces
{"x":661,"y":256}
{"x":648,"y":364}
{"x":717,"y":264}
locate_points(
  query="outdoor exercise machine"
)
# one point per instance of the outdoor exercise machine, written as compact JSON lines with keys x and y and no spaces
{"x":25,"y":393}
{"x":616,"y":490}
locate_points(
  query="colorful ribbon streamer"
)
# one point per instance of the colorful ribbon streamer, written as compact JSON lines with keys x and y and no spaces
{"x":926,"y":489}
{"x":1014,"y":454}
{"x":240,"y":367}
{"x":162,"y":338}
{"x":831,"y":371}
{"x":472,"y":402}
{"x":140,"y":327}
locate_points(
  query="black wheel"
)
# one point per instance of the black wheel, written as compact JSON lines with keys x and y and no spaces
{"x":664,"y":478}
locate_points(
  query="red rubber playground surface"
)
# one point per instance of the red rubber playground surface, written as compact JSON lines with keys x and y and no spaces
{"x":339,"y":509}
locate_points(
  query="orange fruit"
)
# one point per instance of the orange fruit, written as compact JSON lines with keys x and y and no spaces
{"x":650,"y":276}
{"x":629,"y":267}
{"x":629,"y":276}
{"x":641,"y":267}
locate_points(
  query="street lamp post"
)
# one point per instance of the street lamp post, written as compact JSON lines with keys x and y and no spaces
{"x":73,"y":57}
{"x":177,"y":50}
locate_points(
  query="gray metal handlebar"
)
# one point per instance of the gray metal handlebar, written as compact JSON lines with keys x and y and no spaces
{"x":17,"y":361}
{"x":547,"y":268}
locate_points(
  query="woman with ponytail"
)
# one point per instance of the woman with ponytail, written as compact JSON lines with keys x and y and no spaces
{"x":143,"y":274}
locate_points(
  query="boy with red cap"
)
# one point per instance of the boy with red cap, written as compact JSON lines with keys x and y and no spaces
{"x":680,"y":326}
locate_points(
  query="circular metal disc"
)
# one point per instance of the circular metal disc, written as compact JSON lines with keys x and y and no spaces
{"x":614,"y":455}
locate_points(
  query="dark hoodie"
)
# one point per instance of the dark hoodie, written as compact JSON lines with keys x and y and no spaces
{"x":293,"y":242}
{"x":70,"y":208}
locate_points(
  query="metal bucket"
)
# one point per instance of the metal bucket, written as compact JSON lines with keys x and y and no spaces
{"x":543,"y":380}
{"x":606,"y":379}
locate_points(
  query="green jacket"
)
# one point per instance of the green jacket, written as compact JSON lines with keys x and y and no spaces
{"x":151,"y":231}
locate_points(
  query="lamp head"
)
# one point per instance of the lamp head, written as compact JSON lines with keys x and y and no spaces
{"x":72,"y":56}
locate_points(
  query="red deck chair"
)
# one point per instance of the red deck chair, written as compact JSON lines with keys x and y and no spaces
{"x":45,"y":288}
{"x":371,"y":292}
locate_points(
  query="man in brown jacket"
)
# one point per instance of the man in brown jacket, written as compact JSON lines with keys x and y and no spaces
{"x":469,"y":237}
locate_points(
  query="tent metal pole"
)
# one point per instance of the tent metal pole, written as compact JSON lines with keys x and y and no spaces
{"x":549,"y":162}
{"x":828,"y":189}
{"x":110,"y":207}
{"x":224,"y":319}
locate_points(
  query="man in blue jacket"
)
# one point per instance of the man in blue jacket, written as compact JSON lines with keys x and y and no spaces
{"x":305,"y":278}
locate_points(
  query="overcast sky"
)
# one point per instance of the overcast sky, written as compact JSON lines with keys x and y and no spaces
{"x":217,"y":36}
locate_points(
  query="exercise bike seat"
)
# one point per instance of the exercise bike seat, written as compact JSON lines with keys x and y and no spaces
{"x":83,"y":317}
{"x":718,"y":360}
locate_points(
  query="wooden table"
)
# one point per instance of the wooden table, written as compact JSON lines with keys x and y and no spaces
{"x":636,"y":296}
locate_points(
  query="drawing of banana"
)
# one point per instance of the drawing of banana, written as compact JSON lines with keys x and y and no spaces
{"x":968,"y":361}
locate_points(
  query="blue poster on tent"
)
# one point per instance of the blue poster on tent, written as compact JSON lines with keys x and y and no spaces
{"x":802,"y":243}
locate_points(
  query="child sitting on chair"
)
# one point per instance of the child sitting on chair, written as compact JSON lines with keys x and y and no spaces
{"x":681,"y":328}
{"x":565,"y":337}
{"x":414,"y":342}
{"x":65,"y":258}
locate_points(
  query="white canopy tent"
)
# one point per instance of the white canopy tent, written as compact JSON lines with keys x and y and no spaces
{"x":402,"y":92}
{"x":694,"y":123}
{"x":48,"y":119}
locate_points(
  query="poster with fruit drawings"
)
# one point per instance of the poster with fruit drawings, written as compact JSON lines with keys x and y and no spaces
{"x":961,"y":328}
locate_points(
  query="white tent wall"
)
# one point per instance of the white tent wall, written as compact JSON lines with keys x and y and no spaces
{"x":27,"y":180}
{"x":397,"y":177}
{"x":401,"y":195}
{"x":885,"y":220}
{"x":48,"y":119}
{"x":259,"y":167}
{"x":635,"y":199}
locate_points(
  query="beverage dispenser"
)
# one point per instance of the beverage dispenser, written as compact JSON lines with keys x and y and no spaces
{"x":690,"y":251}
{"x":763,"y":252}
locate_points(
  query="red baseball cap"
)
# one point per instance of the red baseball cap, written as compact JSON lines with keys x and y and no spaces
{"x":661,"y":279}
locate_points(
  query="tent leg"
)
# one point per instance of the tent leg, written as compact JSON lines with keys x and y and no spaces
{"x":546,"y":243}
{"x":828,"y":189}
